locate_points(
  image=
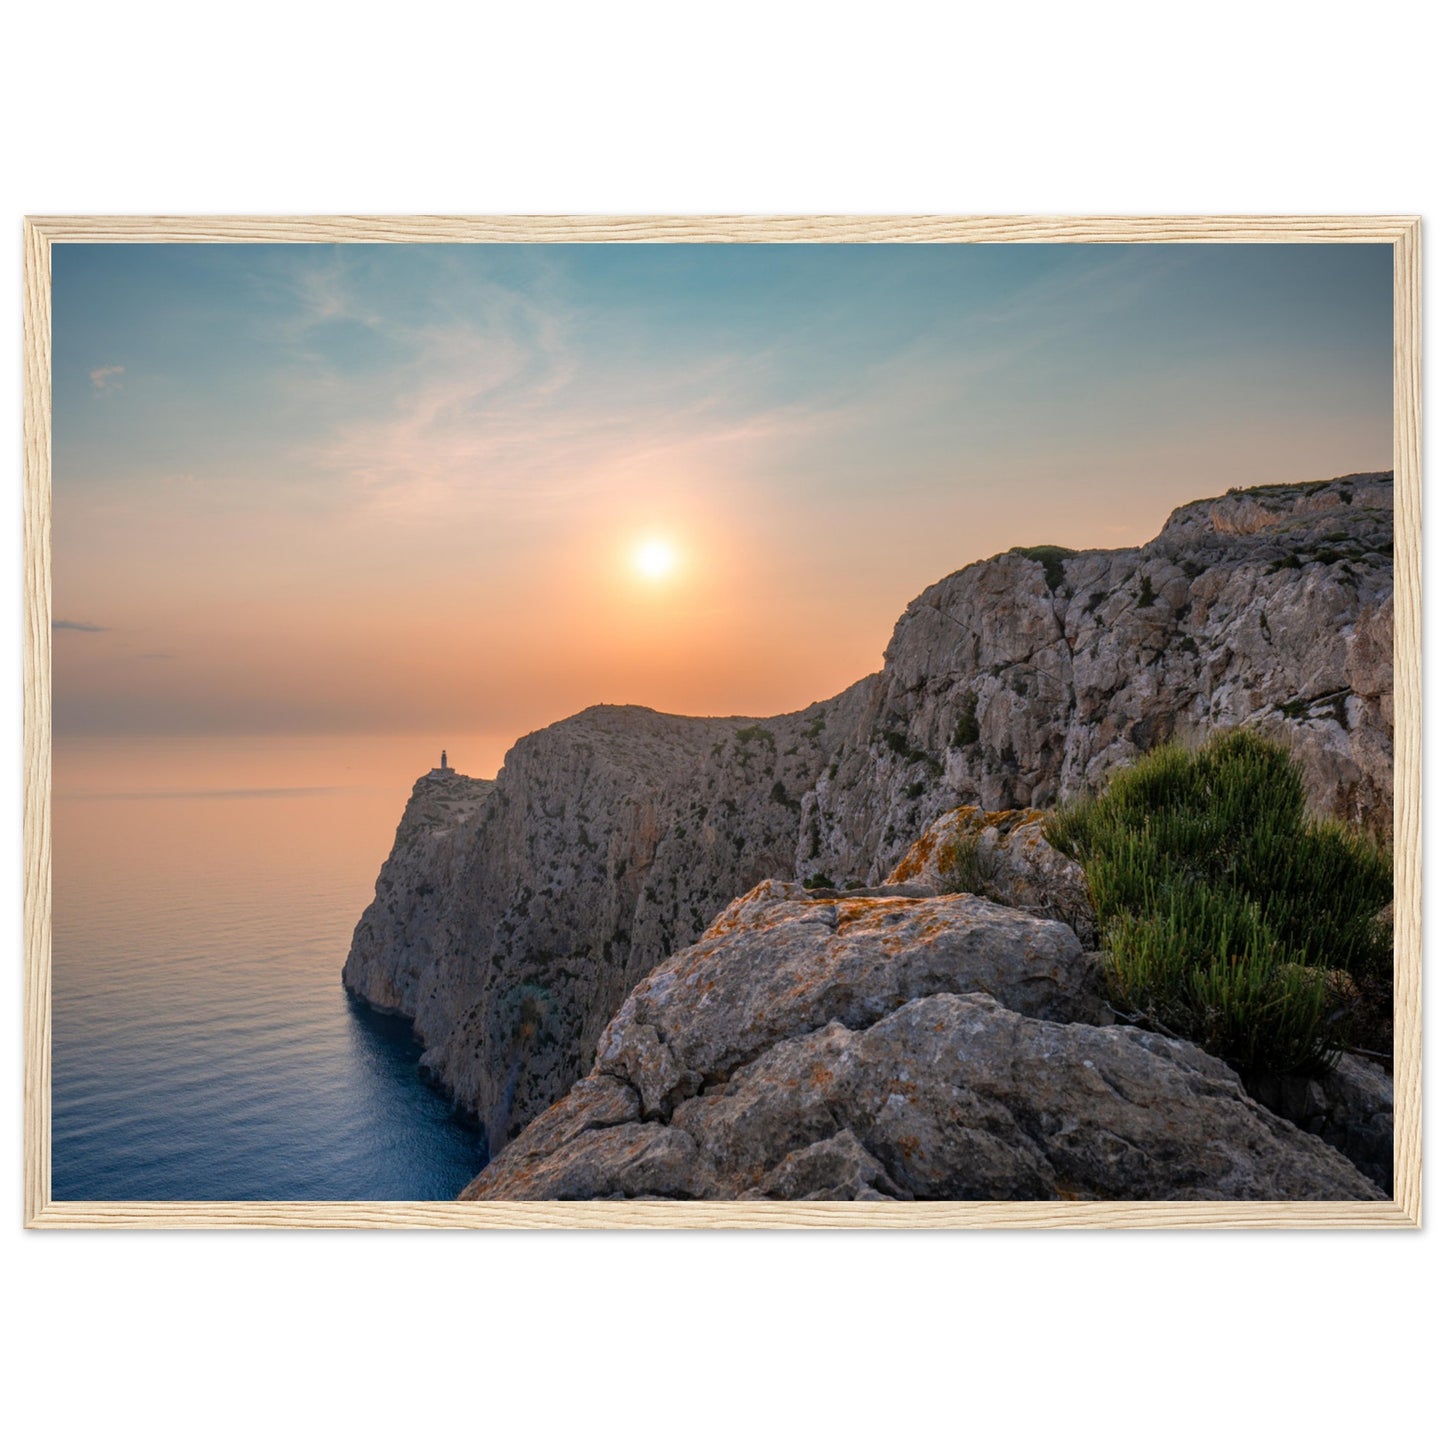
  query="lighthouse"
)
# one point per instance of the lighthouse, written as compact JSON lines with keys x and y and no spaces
{"x":444,"y":771}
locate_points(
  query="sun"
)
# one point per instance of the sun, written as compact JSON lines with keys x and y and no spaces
{"x":655,"y":559}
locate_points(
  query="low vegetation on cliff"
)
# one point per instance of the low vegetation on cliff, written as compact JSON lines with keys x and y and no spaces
{"x":1231,"y":917}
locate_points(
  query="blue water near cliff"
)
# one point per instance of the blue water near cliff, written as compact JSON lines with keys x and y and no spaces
{"x":203,"y":1045}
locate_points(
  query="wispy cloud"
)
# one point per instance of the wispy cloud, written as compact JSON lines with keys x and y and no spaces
{"x":64,"y":624}
{"x":107,"y":378}
{"x":450,"y":446}
{"x":507,"y":407}
{"x":503,"y":410}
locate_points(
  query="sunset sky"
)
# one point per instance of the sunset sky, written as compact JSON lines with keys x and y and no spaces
{"x":473,"y":489}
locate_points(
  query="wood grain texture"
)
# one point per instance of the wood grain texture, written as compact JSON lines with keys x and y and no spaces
{"x":702,"y":229}
{"x":677,"y":1214}
{"x":36,"y":784}
{"x":1409,"y":724}
{"x":1401,"y":232}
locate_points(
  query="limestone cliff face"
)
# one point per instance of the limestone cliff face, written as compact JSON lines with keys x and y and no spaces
{"x":612,"y":839}
{"x":609,"y":841}
{"x":1018,"y":681}
{"x":394,"y":945}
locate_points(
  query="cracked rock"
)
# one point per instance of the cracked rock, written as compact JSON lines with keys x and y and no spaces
{"x":845,"y":1051}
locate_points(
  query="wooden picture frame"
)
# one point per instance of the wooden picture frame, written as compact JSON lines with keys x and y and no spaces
{"x":1400,"y":232}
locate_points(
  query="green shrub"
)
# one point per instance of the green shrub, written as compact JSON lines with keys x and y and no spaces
{"x":970,"y":870}
{"x":898,"y":743}
{"x":1230,"y":916}
{"x":965,"y":734}
{"x":1051,"y":559}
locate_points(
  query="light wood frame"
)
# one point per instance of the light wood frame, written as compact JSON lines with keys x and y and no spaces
{"x":1400,"y":232}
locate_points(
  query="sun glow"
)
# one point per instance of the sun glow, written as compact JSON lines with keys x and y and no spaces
{"x":654,"y":559}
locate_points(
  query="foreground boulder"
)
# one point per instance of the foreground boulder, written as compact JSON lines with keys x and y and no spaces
{"x":781,"y":962}
{"x":812,"y":1046}
{"x":1004,"y":856}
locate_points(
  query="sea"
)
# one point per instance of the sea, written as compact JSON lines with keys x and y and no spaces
{"x":204,"y":894}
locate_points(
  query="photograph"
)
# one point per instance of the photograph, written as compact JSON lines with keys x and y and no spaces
{"x":797,"y":724}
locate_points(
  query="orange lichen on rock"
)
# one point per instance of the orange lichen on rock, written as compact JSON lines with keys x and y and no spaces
{"x":1005,"y":820}
{"x":916,"y":859}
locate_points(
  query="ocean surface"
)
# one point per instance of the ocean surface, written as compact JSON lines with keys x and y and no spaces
{"x":204,"y":897}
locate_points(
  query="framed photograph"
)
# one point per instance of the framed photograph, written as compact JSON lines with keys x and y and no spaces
{"x":723,"y":722}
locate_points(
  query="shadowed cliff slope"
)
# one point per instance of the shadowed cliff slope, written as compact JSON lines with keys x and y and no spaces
{"x":612,"y":839}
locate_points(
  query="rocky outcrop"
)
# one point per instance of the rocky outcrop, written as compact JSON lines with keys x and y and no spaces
{"x":817,"y":1047}
{"x":1003,"y":856}
{"x":1025,"y":678}
{"x":784,"y":960}
{"x":612,"y":838}
{"x":394,"y":946}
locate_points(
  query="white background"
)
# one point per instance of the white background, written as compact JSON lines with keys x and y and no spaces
{"x":424,"y":107}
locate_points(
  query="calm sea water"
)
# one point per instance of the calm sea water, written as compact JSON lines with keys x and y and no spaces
{"x":204,"y":897}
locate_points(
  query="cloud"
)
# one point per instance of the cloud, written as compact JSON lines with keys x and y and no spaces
{"x":103,"y":378}
{"x":493,"y":414}
{"x":62,"y":624}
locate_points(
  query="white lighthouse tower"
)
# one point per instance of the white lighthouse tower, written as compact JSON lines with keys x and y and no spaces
{"x":444,"y":771}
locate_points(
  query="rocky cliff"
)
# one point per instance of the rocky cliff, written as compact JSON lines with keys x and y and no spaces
{"x":1022,"y":679}
{"x":609,"y":840}
{"x":393,"y":949}
{"x":512,"y":931}
{"x":877,"y":1046}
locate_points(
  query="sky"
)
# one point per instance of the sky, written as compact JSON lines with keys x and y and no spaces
{"x":420,"y":490}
